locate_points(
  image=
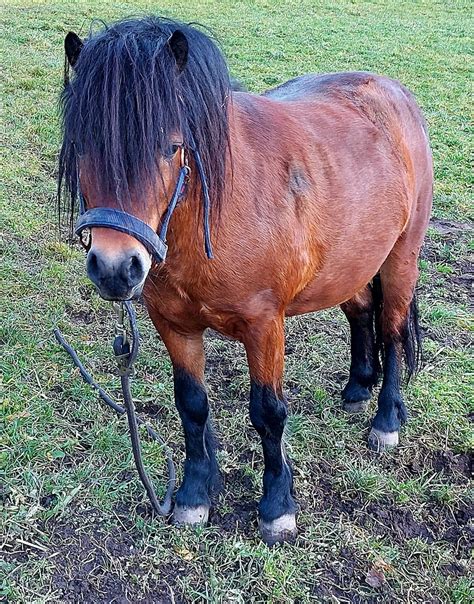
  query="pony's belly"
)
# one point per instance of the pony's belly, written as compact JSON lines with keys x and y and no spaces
{"x":313,"y":299}
{"x":328,"y":290}
{"x":350,"y":264}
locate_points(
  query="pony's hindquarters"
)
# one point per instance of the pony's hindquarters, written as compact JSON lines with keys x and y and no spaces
{"x":399,"y":272}
{"x":383,"y":317}
{"x":397,"y":319}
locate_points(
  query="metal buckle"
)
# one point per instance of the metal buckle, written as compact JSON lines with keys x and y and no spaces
{"x":121,"y":342}
{"x":120,"y":329}
{"x":184,"y":163}
{"x":85,"y":239}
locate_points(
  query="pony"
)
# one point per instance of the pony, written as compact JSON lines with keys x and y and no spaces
{"x":313,"y":194}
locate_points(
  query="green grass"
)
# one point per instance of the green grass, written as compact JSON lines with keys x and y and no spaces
{"x":74,"y":523}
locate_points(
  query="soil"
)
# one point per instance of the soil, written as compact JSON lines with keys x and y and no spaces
{"x":460,"y":281}
{"x":85,"y":549}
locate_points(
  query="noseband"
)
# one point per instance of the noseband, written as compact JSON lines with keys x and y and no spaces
{"x":131,"y":225}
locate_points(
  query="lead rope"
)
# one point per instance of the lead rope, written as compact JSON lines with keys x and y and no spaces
{"x":126,"y":352}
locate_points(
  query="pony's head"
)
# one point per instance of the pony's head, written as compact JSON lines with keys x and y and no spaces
{"x":144,"y":96}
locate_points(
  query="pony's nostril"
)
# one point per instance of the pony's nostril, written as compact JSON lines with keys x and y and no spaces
{"x":93,"y":267}
{"x":135,"y":270}
{"x":92,"y":262}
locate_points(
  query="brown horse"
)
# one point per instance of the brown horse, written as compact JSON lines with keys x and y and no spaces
{"x":316,"y":193}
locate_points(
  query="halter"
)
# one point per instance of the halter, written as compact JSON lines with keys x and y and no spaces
{"x":141,"y":231}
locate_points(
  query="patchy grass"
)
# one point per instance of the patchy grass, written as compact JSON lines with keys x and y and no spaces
{"x":76,"y":526}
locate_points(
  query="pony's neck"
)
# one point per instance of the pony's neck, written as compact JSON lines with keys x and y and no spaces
{"x":186,"y":232}
{"x":256,"y":142}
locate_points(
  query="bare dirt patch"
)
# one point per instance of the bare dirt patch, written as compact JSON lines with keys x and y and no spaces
{"x":100,"y":564}
{"x":451,"y":237}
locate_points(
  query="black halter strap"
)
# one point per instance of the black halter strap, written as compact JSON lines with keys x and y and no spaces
{"x":125,"y":223}
{"x":129,"y":224}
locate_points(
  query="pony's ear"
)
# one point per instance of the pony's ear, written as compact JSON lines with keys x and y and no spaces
{"x":179,"y":47}
{"x":73,"y":46}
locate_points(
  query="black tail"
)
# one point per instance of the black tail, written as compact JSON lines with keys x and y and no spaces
{"x":378,"y":305}
{"x":412,"y":340}
{"x":411,"y":337}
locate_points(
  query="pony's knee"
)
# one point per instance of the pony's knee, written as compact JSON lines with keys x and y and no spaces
{"x":268,"y":411}
{"x":190,"y":397}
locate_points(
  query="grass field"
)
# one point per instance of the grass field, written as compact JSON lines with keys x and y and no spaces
{"x":75,"y":524}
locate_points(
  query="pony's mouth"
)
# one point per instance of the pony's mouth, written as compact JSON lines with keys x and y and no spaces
{"x":115,"y":295}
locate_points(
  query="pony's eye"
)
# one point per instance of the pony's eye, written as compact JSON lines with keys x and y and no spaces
{"x":172,"y":150}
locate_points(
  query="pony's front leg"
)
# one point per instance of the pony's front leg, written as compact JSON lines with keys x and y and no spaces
{"x":201,"y":473}
{"x":264,"y":344}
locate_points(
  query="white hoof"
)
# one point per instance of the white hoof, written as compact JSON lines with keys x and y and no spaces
{"x":278,"y":530}
{"x":355,"y":406}
{"x":184,"y":515}
{"x":380,"y":441}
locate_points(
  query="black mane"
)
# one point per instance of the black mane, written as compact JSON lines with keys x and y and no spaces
{"x":126,"y":99}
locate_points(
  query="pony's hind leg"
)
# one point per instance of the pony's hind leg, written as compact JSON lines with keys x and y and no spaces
{"x":364,"y":370}
{"x":201,"y":473}
{"x":264,"y":344}
{"x":400,"y":337}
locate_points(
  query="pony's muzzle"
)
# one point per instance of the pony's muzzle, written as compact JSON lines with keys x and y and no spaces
{"x":117,"y":277}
